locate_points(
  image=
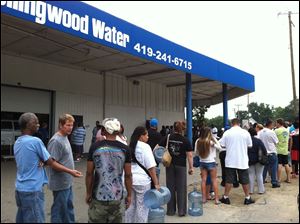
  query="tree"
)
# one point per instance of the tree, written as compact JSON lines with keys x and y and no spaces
{"x":216,"y":121}
{"x":261,"y":113}
{"x":242,"y":115}
{"x":287,"y":113}
{"x":198,"y":115}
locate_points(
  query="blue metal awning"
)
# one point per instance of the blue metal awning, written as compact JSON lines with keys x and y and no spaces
{"x":86,"y":22}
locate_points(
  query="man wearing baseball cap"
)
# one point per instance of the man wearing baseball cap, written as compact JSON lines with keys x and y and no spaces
{"x":107,"y":159}
{"x":154,"y":136}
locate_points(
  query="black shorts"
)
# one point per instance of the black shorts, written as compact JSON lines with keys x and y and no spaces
{"x":243,"y":175}
{"x":282,"y":159}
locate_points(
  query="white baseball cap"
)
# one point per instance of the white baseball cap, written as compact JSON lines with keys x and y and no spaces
{"x":111,"y":125}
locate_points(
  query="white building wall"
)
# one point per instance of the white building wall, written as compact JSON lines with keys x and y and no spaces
{"x":143,"y":101}
{"x":77,"y":92}
{"x":80,"y":93}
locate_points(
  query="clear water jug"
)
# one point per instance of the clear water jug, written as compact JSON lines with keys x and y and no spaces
{"x":154,"y":198}
{"x":195,"y":206}
{"x":156,"y":215}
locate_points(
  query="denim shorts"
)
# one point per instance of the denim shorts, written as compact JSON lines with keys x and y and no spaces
{"x":207,"y":166}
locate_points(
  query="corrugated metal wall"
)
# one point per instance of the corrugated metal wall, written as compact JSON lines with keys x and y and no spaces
{"x":81,"y":93}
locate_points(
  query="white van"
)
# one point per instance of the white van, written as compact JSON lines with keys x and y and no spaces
{"x":10,"y":131}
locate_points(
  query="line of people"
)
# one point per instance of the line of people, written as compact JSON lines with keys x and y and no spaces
{"x":240,"y":157}
{"x":119,"y":173}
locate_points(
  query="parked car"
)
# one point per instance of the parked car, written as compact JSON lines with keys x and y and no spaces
{"x":10,"y":131}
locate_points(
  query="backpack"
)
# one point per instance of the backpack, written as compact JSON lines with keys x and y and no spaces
{"x":262,"y":156}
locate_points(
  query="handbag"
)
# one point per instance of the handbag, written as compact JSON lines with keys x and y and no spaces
{"x":167,"y":158}
{"x":262,"y":156}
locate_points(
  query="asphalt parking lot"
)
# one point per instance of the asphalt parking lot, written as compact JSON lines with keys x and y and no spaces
{"x":277,"y":205}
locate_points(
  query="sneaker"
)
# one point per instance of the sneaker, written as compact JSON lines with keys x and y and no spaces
{"x":225,"y":200}
{"x":275,"y":185}
{"x":248,"y":201}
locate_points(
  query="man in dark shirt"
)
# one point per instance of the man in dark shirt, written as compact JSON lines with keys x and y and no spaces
{"x":154,"y":136}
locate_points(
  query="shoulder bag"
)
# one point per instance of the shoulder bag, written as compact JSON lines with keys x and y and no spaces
{"x":167,"y":158}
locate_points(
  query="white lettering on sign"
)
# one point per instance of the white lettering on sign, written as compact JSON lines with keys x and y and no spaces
{"x":45,"y":13}
{"x":104,"y":32}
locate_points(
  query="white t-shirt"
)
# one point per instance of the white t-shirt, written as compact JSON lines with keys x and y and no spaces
{"x":123,"y":139}
{"x":144,"y":155}
{"x":269,"y":138}
{"x":236,"y":140}
{"x":212,"y":152}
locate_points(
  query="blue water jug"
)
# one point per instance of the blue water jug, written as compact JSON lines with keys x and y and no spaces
{"x":195,"y":206}
{"x":158,"y":153}
{"x":156,"y":215}
{"x":157,"y":169}
{"x":154,"y":198}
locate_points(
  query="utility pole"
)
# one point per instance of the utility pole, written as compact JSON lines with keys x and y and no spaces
{"x":238,"y":110}
{"x":292,"y":58}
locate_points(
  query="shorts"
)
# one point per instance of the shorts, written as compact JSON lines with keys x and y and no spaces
{"x":207,"y":166}
{"x":295,"y":155}
{"x":283,"y":159}
{"x":243,"y":175}
{"x":105,"y":211}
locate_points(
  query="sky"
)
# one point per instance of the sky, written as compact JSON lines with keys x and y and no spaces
{"x":250,"y":36}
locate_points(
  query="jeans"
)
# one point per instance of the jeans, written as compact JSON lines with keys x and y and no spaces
{"x":31,"y":207}
{"x":256,"y":172}
{"x":62,"y":210}
{"x":272,"y":166}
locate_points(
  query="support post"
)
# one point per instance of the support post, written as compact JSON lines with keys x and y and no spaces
{"x":189,"y":114}
{"x":225,"y":107}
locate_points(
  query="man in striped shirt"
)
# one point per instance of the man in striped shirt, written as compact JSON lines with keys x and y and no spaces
{"x":77,"y":141}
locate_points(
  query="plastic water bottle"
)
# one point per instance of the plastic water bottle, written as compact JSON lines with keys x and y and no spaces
{"x":154,"y":198}
{"x":156,"y":215}
{"x":195,"y":207}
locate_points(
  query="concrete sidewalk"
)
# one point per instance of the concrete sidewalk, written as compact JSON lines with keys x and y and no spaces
{"x":277,"y":205}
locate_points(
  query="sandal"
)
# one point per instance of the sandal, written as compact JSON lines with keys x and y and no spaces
{"x":288,"y":181}
{"x":217,"y":202}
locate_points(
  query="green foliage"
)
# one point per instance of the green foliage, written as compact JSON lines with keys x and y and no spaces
{"x":261,"y":112}
{"x":198,"y":115}
{"x":216,"y":121}
{"x":289,"y":113}
{"x":242,"y":115}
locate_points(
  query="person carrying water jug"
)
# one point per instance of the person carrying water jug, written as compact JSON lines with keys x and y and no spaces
{"x":143,"y":170}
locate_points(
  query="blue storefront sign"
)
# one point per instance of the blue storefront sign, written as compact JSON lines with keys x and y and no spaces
{"x":87,"y":22}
